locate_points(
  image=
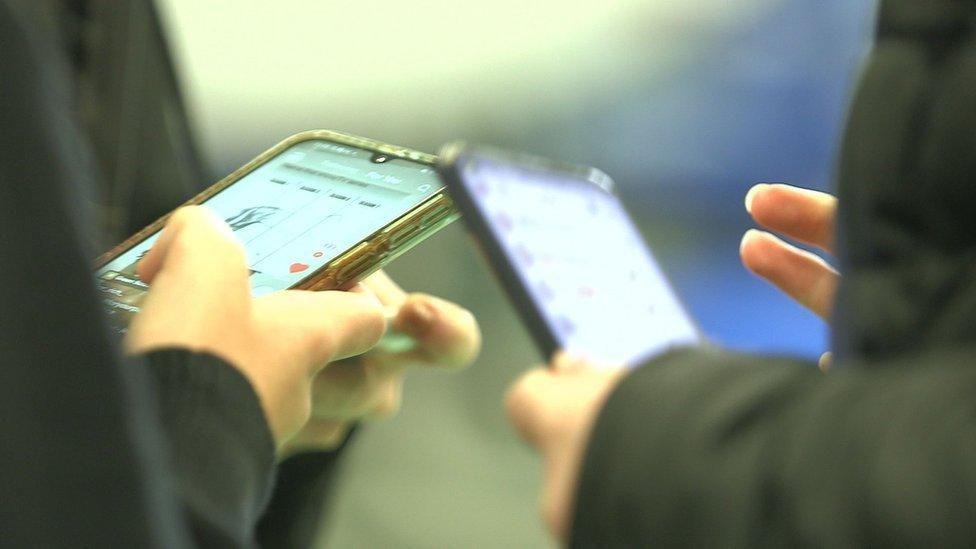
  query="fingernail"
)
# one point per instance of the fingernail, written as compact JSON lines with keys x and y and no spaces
{"x":751,"y":195}
{"x":826,"y":361}
{"x":421,"y":318}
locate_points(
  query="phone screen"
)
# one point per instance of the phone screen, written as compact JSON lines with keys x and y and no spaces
{"x":294,"y":214}
{"x":581,"y":261}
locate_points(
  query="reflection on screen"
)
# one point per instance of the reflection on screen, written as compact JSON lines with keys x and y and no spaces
{"x":293,"y":214}
{"x":583,"y":262}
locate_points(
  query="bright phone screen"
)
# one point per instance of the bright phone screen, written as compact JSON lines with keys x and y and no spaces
{"x":295,"y":213}
{"x":582,"y":261}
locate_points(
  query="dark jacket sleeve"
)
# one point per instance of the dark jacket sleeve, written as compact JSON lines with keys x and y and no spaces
{"x":705,"y":449}
{"x":78,"y":466}
{"x":907,"y":187}
{"x":295,"y":516}
{"x":86,"y":457}
{"x":222,"y":452}
{"x":720,"y":450}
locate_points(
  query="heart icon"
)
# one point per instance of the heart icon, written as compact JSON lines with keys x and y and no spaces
{"x":297,"y":267}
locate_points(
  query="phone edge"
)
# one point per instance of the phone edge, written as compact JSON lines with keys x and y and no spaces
{"x":449,"y":165}
{"x":326,"y":276}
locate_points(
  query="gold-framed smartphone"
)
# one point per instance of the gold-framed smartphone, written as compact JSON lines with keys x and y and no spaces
{"x":320,"y":210}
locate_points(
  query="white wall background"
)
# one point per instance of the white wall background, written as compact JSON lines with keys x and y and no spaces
{"x":258,"y":70}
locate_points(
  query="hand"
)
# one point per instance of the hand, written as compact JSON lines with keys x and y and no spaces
{"x":200,"y":299}
{"x":370,"y":387}
{"x":554,"y":411}
{"x":803,"y":215}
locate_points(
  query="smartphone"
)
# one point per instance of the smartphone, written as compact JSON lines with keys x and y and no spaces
{"x":319,"y":211}
{"x":570,"y":258}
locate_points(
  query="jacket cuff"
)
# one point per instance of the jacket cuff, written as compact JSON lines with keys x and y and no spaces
{"x":616,"y":461}
{"x":222,"y":449}
{"x":660,"y":437}
{"x":295,"y":514}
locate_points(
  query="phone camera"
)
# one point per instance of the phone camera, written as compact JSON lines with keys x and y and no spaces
{"x":379,"y":158}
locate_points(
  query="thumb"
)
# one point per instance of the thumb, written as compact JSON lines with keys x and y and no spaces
{"x":199,"y":286}
{"x":191,"y":232}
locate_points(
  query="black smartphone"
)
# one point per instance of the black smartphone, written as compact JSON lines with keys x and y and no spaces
{"x":569,"y":256}
{"x":318,"y":211}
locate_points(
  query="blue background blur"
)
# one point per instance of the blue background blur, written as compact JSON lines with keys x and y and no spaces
{"x":685,"y":104}
{"x":763,"y":103}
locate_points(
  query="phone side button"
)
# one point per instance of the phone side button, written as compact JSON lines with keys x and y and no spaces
{"x":360,"y":258}
{"x":435,"y":216}
{"x":344,"y":261}
{"x":405,"y":234}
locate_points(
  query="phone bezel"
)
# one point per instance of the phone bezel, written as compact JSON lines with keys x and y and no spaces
{"x":370,"y":254}
{"x":451,"y":163}
{"x":452,"y":159}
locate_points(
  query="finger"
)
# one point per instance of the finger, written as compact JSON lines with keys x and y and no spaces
{"x":332,"y":325}
{"x":389,"y":292}
{"x":565,"y":362}
{"x":825,"y":362}
{"x":801,"y":214}
{"x":359,"y":288}
{"x":199,"y":280}
{"x":447,"y":334}
{"x":800,"y":274}
{"x":568,"y":363}
{"x":190,"y":232}
{"x":317,"y":435}
{"x":524,"y":404}
{"x":354,"y":390}
{"x":388,"y":398}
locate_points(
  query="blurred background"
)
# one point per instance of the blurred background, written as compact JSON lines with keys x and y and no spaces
{"x":684,"y":103}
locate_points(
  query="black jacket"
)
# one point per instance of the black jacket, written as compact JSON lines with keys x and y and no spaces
{"x":747,"y":451}
{"x":167,"y":450}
